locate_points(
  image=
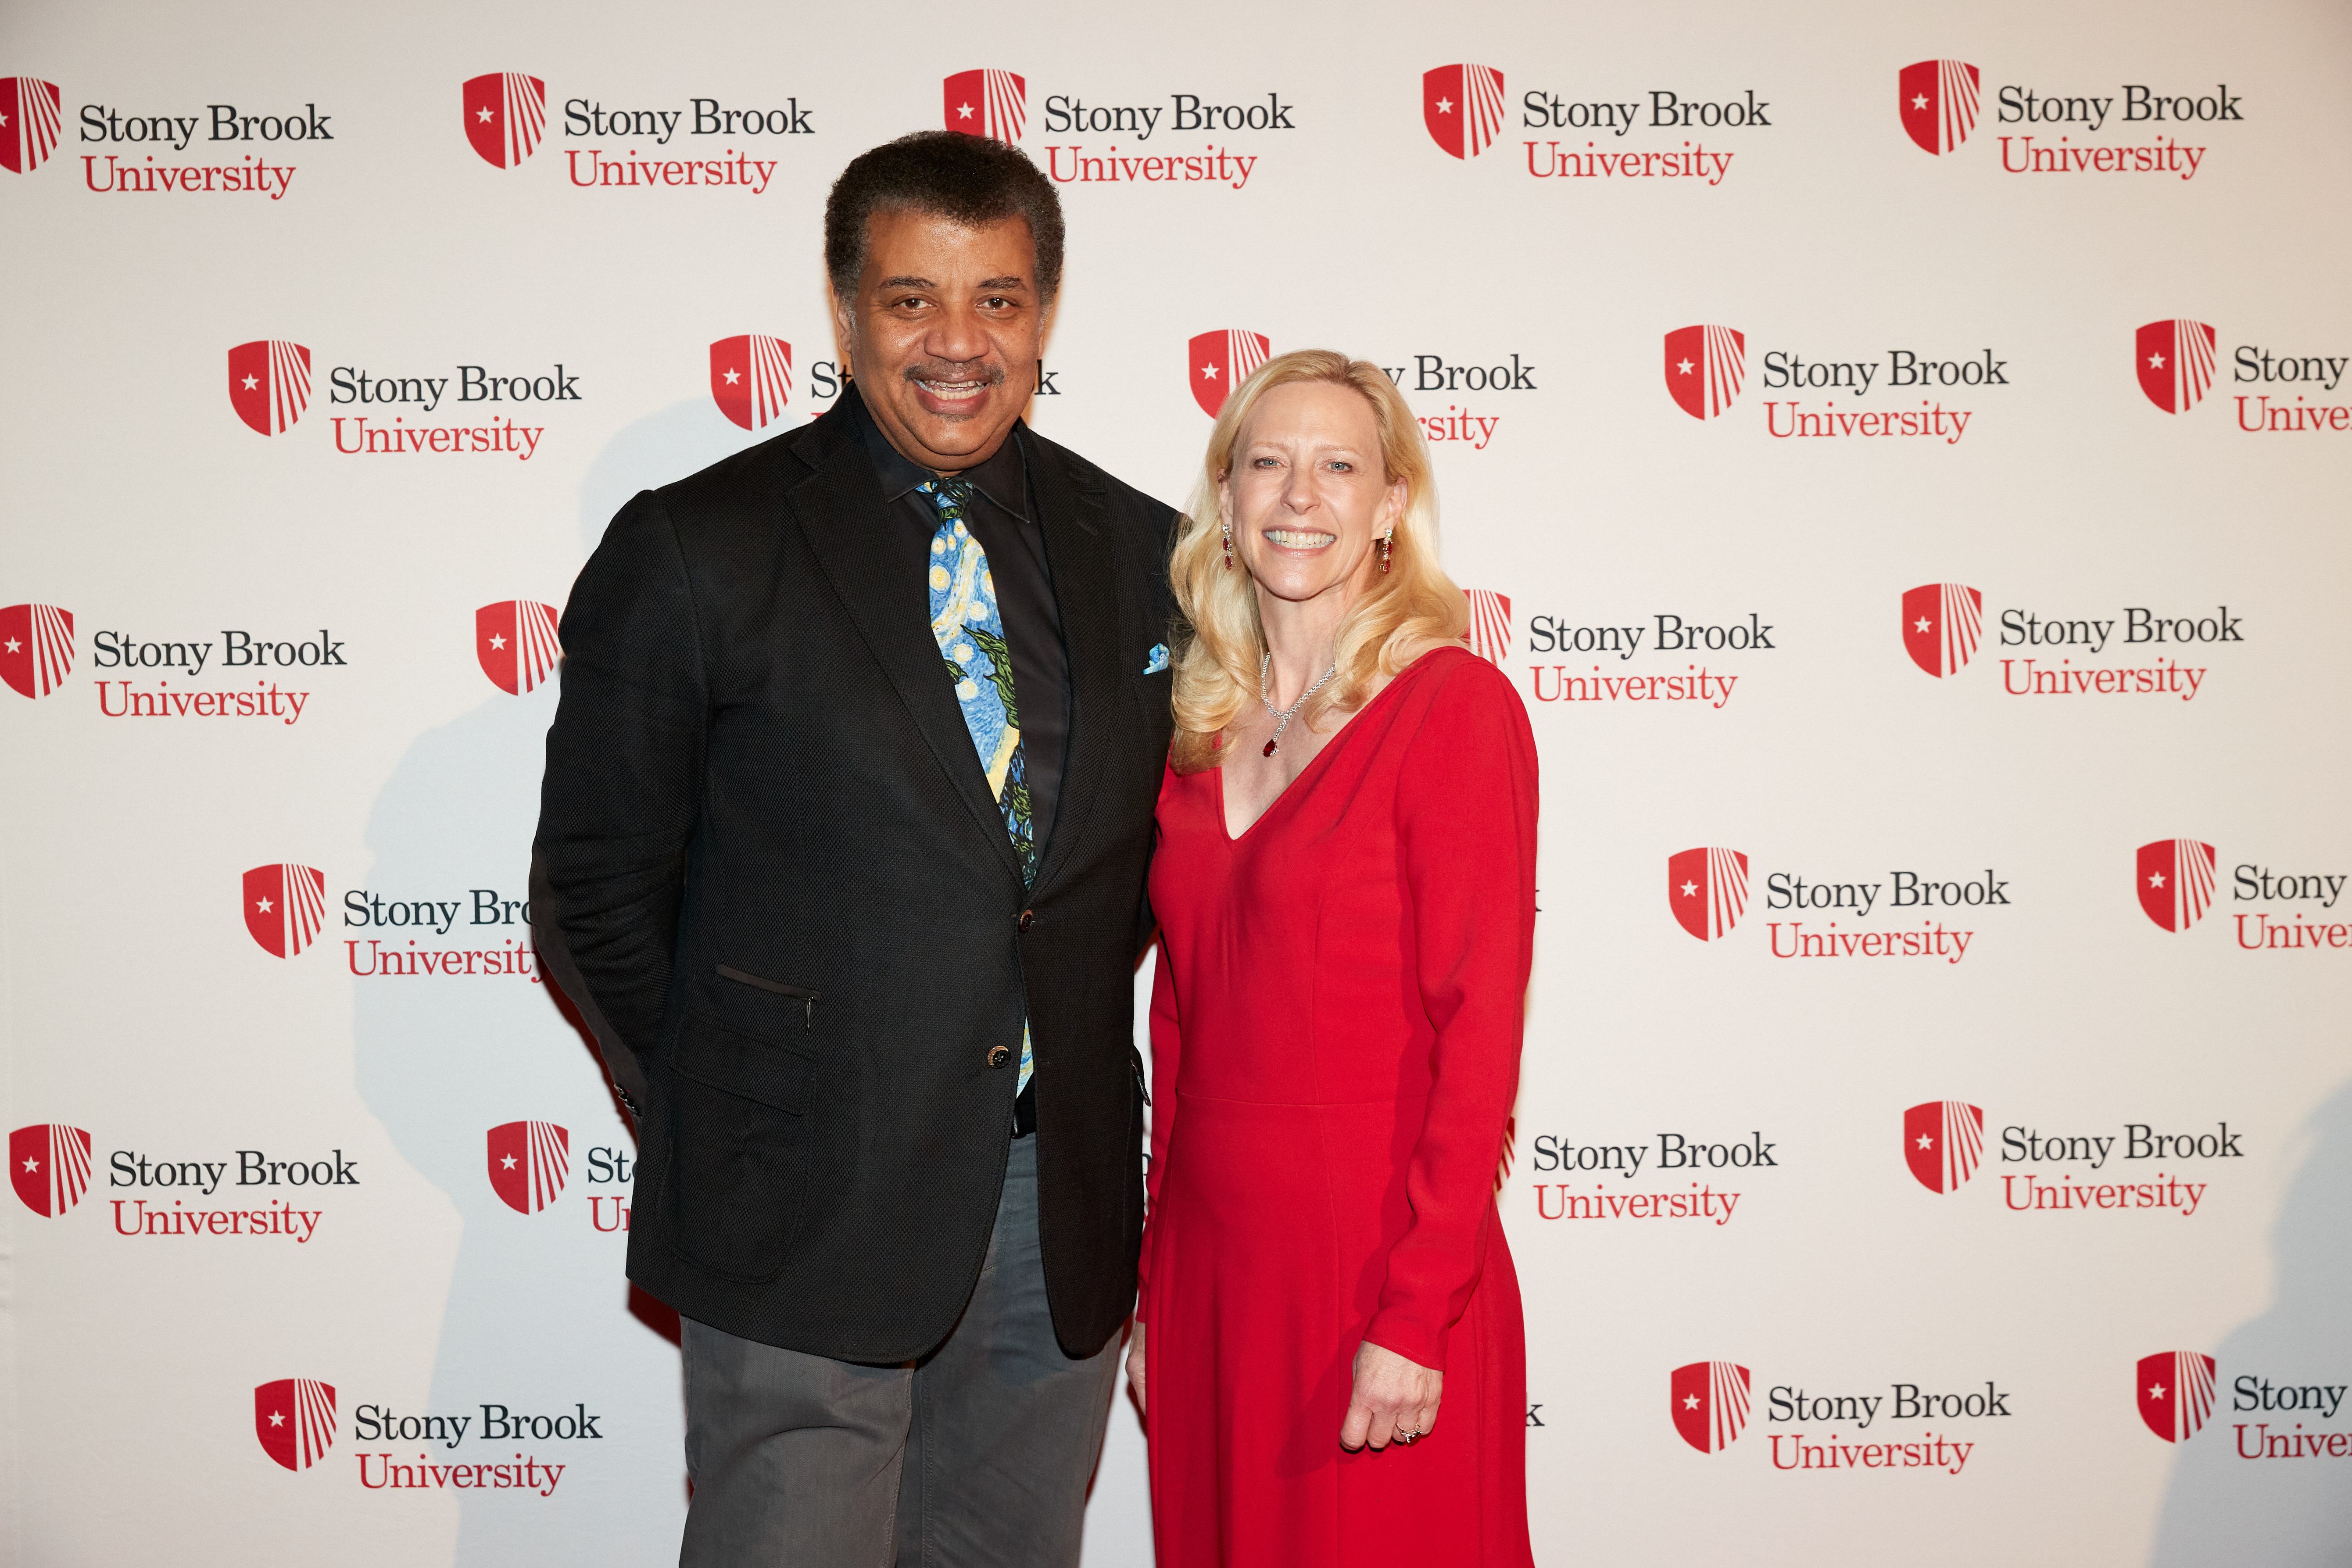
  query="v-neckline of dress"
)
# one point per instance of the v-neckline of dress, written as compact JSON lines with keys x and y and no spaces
{"x":1296,"y":785}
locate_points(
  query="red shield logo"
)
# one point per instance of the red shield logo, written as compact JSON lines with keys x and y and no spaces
{"x":529,"y":1161}
{"x":270,"y":383}
{"x":1710,"y":1403}
{"x":515,"y":640}
{"x":1939,"y":103}
{"x":1703,"y":369}
{"x":1707,"y":889}
{"x":295,"y":1419}
{"x":2176,"y":1393}
{"x":1941,"y":622}
{"x":750,"y":378}
{"x":285,"y":906}
{"x":1944,"y":1141}
{"x":506,"y":114}
{"x":48,"y":1164}
{"x":1220,"y":362}
{"x":2175,"y":360}
{"x":987,"y":103}
{"x":28,"y":122}
{"x":1490,"y":636}
{"x":1463,"y":106}
{"x":36,"y":647}
{"x":2176,"y":881}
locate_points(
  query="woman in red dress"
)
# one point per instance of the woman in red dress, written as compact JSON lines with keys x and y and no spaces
{"x":1345,"y":883}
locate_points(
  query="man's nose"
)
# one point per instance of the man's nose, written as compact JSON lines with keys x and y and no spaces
{"x":957,"y":334}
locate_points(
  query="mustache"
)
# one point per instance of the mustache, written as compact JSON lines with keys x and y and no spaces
{"x":950,"y":370}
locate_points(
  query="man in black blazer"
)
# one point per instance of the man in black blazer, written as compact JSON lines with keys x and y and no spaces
{"x":840,"y":854}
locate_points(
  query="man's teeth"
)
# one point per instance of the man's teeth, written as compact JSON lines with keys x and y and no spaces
{"x":1291,"y":539}
{"x":954,"y":388}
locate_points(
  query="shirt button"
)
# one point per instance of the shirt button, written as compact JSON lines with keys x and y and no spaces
{"x":999,"y":1055}
{"x":1026,"y":916}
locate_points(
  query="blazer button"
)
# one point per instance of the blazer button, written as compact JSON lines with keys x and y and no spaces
{"x":1000,"y":1054}
{"x":1026,"y":916}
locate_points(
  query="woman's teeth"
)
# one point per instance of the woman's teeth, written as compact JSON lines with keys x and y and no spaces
{"x":1292,"y":538}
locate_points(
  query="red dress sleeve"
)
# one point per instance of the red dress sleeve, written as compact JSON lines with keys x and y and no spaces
{"x":1167,"y":1044}
{"x":1465,"y":816}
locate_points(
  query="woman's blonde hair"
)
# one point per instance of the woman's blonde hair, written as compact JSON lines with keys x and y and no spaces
{"x":1413,"y":604}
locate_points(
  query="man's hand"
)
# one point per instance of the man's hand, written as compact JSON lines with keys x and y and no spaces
{"x":1395,"y":1399}
{"x":1135,"y":1366}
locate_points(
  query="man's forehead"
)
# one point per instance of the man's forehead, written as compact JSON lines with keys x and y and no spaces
{"x":911,"y":241}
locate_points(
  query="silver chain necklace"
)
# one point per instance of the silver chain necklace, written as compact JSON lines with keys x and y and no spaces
{"x":1282,"y":716}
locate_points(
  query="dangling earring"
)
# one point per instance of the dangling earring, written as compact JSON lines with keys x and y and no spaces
{"x":1385,"y":539}
{"x":1229,"y":545}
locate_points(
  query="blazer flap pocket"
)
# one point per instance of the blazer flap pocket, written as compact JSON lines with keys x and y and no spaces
{"x":709,"y":1052}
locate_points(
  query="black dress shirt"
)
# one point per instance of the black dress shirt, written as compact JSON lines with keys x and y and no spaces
{"x":1005,"y":524}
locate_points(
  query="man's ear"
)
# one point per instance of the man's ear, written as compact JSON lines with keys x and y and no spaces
{"x":844,"y":327}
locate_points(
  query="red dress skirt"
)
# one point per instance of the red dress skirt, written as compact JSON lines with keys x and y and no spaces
{"x":1335,"y":1030}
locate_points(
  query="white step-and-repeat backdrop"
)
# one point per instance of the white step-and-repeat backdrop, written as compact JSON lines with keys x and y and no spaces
{"x":1901,"y":457}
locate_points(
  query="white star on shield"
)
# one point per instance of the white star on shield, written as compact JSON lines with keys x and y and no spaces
{"x":1208,"y":373}
{"x":483,"y":115}
{"x":2156,"y":1392}
{"x":13,"y":646}
{"x":1690,"y":889}
{"x":1925,"y":1142}
{"x":499,"y":642}
{"x":1690,"y":1401}
{"x":275,"y":1419}
{"x":251,"y":382}
{"x":1924,"y":623}
{"x":262,"y":908}
{"x":733,"y":376}
{"x":31,"y":1165}
{"x":2155,"y":879}
{"x":963,"y":112}
{"x":506,"y":1163}
{"x":1920,"y":102}
{"x":2156,"y":361}
{"x":1444,"y":106}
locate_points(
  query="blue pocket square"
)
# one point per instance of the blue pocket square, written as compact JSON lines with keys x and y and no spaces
{"x":1159,"y":660}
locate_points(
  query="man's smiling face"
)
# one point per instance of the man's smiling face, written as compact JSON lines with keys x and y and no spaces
{"x":944,"y":333}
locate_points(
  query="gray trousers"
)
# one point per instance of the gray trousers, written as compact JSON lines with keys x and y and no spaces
{"x":975,"y":1457}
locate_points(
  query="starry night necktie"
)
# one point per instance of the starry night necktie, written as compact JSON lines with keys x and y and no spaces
{"x":970,"y":630}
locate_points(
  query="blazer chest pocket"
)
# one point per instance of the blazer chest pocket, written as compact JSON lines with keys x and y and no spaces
{"x":771,"y":1072}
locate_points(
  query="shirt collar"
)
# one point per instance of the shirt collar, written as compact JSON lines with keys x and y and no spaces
{"x":1002,"y":478}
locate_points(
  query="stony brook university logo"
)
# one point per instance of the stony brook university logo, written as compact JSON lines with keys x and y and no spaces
{"x":285,"y":906}
{"x":295,"y":1419}
{"x":270,"y":383}
{"x":1704,"y":368}
{"x":28,"y":122}
{"x":48,"y":1164}
{"x":1490,"y":636}
{"x":1463,"y":106}
{"x":2175,"y":360}
{"x":2176,"y":1393}
{"x":751,"y":378}
{"x":529,"y":1161}
{"x":1941,"y":624}
{"x":515,"y":640}
{"x":1709,"y":890}
{"x":987,"y":103}
{"x":1710,"y":1401}
{"x":1944,"y":1141}
{"x":1939,"y":103}
{"x":2176,"y":881}
{"x":36,"y":647}
{"x":1222,"y":361}
{"x":506,"y":116}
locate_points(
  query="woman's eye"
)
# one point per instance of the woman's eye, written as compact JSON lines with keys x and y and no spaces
{"x":1343,"y":468}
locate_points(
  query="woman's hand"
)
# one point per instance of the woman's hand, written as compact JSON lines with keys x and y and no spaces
{"x":1395,"y":1399}
{"x":1135,"y":1366}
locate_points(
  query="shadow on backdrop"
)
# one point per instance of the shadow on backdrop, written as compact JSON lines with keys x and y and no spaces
{"x":2279,"y":1513}
{"x":540,"y":1317}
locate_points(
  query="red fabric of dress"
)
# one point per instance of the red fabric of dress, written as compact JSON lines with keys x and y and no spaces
{"x":1335,"y":1030}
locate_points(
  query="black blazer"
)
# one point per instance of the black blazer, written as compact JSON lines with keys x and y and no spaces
{"x":770,"y":872}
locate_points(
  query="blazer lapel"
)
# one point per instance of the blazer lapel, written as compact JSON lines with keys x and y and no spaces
{"x":1086,"y":596}
{"x":848,"y":526}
